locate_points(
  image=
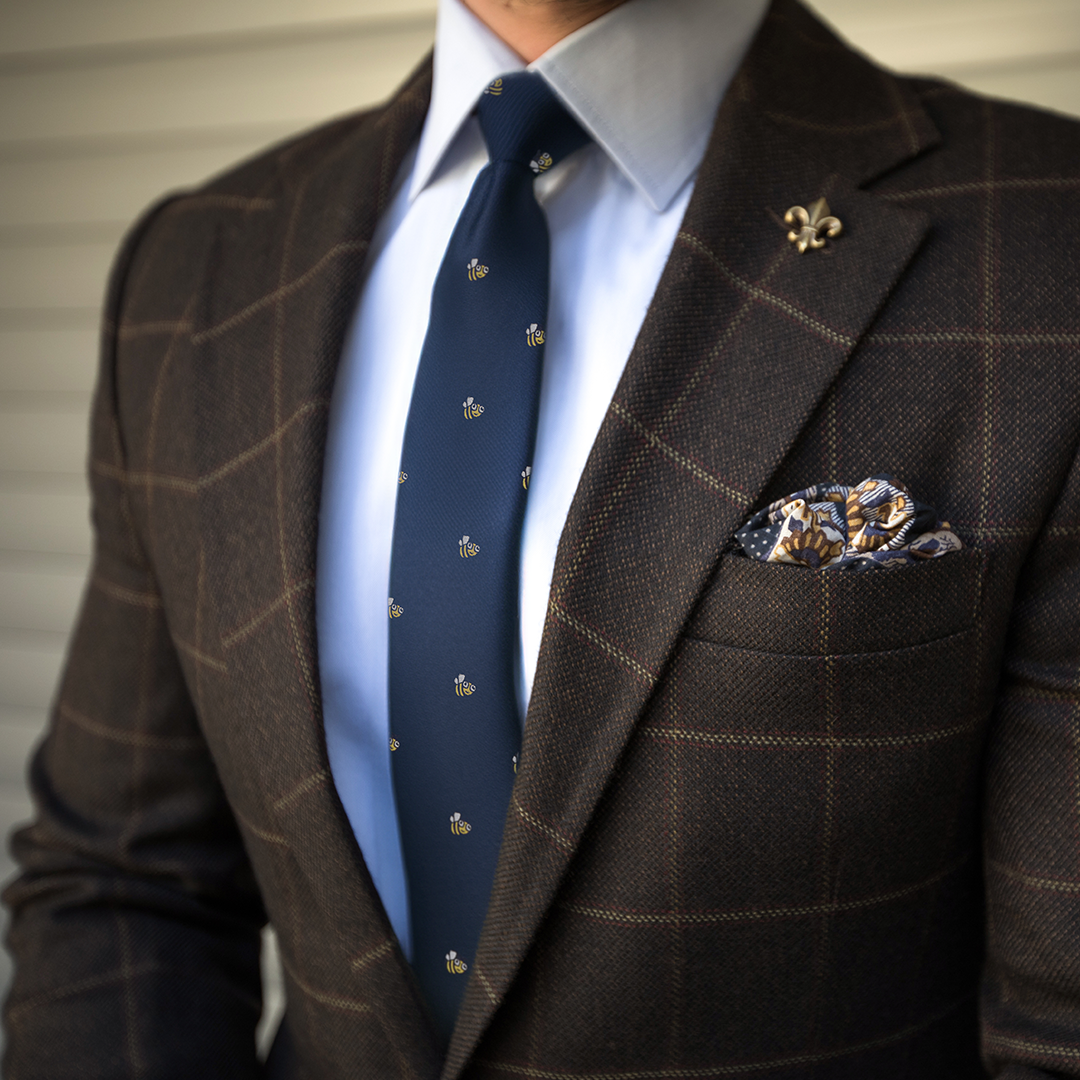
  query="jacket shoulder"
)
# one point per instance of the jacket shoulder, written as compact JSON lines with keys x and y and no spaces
{"x":166,"y":250}
{"x":1005,"y":137}
{"x":176,"y":234}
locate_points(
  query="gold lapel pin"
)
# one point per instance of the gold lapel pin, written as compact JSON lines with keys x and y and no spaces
{"x":812,"y":223}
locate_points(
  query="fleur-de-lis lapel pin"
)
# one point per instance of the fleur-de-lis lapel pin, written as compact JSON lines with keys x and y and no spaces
{"x":813,"y":225}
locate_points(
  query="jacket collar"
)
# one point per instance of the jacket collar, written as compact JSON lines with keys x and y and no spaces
{"x":606,"y":73}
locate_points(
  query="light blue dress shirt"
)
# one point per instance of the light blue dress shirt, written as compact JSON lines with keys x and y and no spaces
{"x":645,"y":81}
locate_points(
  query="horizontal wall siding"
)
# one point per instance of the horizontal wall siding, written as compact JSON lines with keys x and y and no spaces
{"x":292,"y":83}
{"x":50,"y":26}
{"x":105,"y":104}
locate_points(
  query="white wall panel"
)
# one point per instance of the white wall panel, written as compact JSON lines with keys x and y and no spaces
{"x":54,"y":275}
{"x":59,"y":24}
{"x":39,"y":599}
{"x":39,"y":519}
{"x":15,"y":809}
{"x":20,"y":732}
{"x":1054,"y":84}
{"x":48,"y":360}
{"x":296,"y":84}
{"x":945,"y":35}
{"x":29,"y":667}
{"x":106,"y":188}
{"x":35,"y":440}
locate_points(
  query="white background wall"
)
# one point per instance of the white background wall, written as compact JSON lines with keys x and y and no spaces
{"x":104,"y":104}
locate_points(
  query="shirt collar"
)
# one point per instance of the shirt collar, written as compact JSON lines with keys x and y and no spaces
{"x":645,"y":80}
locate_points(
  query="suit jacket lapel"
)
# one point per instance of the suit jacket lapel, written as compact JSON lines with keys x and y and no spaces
{"x":742,"y":341}
{"x":280,"y":294}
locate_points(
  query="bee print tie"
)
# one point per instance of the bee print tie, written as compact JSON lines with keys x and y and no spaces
{"x":465,"y":465}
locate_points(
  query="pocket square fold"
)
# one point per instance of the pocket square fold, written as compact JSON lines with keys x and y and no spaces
{"x":877,"y":523}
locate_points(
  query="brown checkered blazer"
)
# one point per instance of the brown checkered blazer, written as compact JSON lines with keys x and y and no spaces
{"x":769,"y":822}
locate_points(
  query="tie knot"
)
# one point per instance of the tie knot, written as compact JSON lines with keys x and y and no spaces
{"x":523,"y":121}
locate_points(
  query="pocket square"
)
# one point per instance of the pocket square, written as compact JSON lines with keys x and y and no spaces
{"x":877,"y":523}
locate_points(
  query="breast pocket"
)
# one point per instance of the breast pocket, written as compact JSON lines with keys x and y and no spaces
{"x":830,"y":716}
{"x":858,"y":653}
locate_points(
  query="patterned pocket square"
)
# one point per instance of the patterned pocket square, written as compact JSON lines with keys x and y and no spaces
{"x":875,"y":524}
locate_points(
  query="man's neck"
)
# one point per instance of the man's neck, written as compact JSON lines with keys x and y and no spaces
{"x":531,"y":27}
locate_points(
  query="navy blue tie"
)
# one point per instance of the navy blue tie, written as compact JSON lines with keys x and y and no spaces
{"x":465,"y":470}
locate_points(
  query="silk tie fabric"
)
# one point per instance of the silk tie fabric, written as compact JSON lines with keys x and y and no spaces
{"x":464,"y":478}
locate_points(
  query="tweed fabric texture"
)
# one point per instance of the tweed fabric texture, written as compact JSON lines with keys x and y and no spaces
{"x":753,"y":833}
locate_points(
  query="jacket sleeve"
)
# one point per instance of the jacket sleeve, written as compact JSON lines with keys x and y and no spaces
{"x":1031,"y":986}
{"x":135,"y":921}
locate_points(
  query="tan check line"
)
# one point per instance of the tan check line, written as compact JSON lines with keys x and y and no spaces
{"x":979,"y":187}
{"x":129,"y":738}
{"x":824,"y":742}
{"x":266,"y":443}
{"x":710,"y":918}
{"x":233,"y":636}
{"x":1033,"y":1046}
{"x":127,"y":331}
{"x":669,"y":451}
{"x":309,"y":783}
{"x":704,"y":1072}
{"x":764,"y":297}
{"x":547,"y":830}
{"x":144,"y":479}
{"x":280,"y":293}
{"x":262,"y":834}
{"x":1037,"y":693}
{"x":199,"y":656}
{"x":323,"y":997}
{"x":488,"y":988}
{"x":602,"y":643}
{"x":124,"y":594}
{"x":972,"y":337}
{"x":222,"y":201}
{"x":369,"y":957}
{"x":1050,"y":884}
{"x":192,"y":487}
{"x":95,"y":982}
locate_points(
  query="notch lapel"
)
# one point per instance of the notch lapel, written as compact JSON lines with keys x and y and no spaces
{"x":742,"y":341}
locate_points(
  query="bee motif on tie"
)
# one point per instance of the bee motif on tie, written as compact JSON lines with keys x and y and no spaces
{"x":394,"y":744}
{"x":467,"y":548}
{"x":459,"y":827}
{"x":477,"y":270}
{"x":534,"y":335}
{"x":455,"y":965}
{"x":463,"y":688}
{"x":515,"y":764}
{"x":396,"y":610}
{"x":472,"y":410}
{"x":525,"y":477}
{"x":402,"y":477}
{"x":495,"y":88}
{"x":541,"y":163}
